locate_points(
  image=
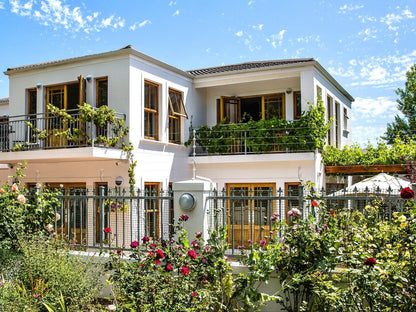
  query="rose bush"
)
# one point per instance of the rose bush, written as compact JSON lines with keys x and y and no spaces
{"x":176,"y":275}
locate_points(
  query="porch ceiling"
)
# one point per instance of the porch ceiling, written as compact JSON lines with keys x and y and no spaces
{"x":63,"y":155}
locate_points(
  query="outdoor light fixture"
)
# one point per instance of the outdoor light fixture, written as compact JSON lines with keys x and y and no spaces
{"x":119,"y":181}
{"x":187,"y":201}
{"x":89,"y":77}
{"x":39,"y":85}
{"x":289,"y":90}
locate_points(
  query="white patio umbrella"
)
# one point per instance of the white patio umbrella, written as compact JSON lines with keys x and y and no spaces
{"x":381,"y":183}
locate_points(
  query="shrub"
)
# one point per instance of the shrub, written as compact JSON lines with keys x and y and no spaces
{"x":178,"y":276}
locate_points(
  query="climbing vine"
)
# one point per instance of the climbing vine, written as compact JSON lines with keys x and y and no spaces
{"x":89,"y":126}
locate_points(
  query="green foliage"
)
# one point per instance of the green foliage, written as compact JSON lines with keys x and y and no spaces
{"x":344,"y":261}
{"x":306,"y":134}
{"x":404,"y":128}
{"x":178,"y":276}
{"x":382,"y":154}
{"x":22,"y":213}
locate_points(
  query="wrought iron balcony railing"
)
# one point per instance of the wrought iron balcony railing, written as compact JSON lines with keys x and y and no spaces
{"x":53,"y":131}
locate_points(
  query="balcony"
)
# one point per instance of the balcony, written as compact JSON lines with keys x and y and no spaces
{"x":62,"y":130}
{"x":259,"y":137}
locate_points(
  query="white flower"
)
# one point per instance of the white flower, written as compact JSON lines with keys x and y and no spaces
{"x":294,"y":212}
{"x":38,"y":185}
{"x":49,"y":227}
{"x":57,"y":216}
{"x":111,"y":307}
{"x":21,"y":199}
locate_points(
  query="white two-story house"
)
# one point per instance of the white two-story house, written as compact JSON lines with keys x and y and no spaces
{"x":159,"y":104}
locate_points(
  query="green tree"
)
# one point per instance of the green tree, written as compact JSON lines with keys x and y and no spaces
{"x":404,"y":128}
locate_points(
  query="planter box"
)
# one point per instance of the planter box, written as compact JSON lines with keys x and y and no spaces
{"x":360,"y":169}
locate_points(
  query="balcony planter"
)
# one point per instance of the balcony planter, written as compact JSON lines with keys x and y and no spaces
{"x":360,"y":169}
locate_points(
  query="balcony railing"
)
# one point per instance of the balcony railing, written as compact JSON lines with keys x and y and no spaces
{"x":254,"y":138}
{"x":52,"y":131}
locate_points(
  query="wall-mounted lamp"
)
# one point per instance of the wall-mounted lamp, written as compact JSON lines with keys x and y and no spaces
{"x":289,"y":90}
{"x":187,"y":202}
{"x":119,"y":181}
{"x":89,"y":78}
{"x":39,"y":85}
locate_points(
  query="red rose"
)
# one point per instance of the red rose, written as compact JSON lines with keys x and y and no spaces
{"x":193,"y":294}
{"x":145,"y":239}
{"x":370,"y":262}
{"x":314,"y":203}
{"x":150,"y":254}
{"x":407,"y":193}
{"x":333,"y":212}
{"x":185,"y":271}
{"x":184,"y":217}
{"x":169,"y":267}
{"x":157,"y":262}
{"x":134,"y":244}
{"x":160,"y":253}
{"x":192,"y":254}
{"x":107,"y":230}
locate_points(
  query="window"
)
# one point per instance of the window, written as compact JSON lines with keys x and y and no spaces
{"x":318,"y":93}
{"x":176,"y":112}
{"x":151,"y":107}
{"x":236,"y":109}
{"x":337,"y":124}
{"x":152,"y":209}
{"x":345,"y":119}
{"x":329,"y":116}
{"x":297,"y":105}
{"x":101,"y":89}
{"x":291,"y":190}
{"x":31,"y":111}
{"x":249,"y":218}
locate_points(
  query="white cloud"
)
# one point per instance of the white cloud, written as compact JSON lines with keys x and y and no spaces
{"x":139,"y":24}
{"x":1,"y":5}
{"x":58,"y":14}
{"x":172,"y":3}
{"x":349,"y":7}
{"x":407,"y":13}
{"x":250,"y":2}
{"x":374,"y":107}
{"x":258,"y":27}
{"x":368,"y":34}
{"x":277,"y":39}
{"x":175,"y":13}
{"x":239,"y":33}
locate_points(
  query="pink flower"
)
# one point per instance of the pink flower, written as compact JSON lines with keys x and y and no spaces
{"x":134,"y":244}
{"x":250,"y":241}
{"x":295,"y":212}
{"x":192,"y":254}
{"x":263,"y":242}
{"x":295,"y":227}
{"x":169,"y":267}
{"x":150,"y":254}
{"x":160,"y":254}
{"x":111,"y":307}
{"x":107,"y":230}
{"x":145,"y":239}
{"x":241,"y":247}
{"x":15,"y":188}
{"x":157,"y":262}
{"x":185,"y":270}
{"x":21,"y":199}
{"x":193,"y":294}
{"x":184,"y":217}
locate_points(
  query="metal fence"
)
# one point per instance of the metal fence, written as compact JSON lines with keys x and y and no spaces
{"x":250,"y":213}
{"x":113,"y":218}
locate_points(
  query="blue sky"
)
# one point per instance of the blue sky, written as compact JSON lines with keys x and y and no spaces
{"x":366,"y":45}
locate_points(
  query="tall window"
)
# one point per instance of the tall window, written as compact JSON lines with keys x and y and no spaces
{"x":337,"y":124}
{"x":345,"y":119}
{"x":297,"y":105}
{"x":101,"y":88}
{"x":151,"y":107}
{"x":329,"y":116}
{"x":152,"y":209}
{"x":292,"y":191}
{"x":274,"y":106}
{"x":176,"y":112}
{"x":318,"y":93}
{"x":31,"y":110}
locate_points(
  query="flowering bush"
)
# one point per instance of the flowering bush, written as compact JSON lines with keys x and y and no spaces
{"x":115,"y":206}
{"x":22,"y":212}
{"x":177,"y":276}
